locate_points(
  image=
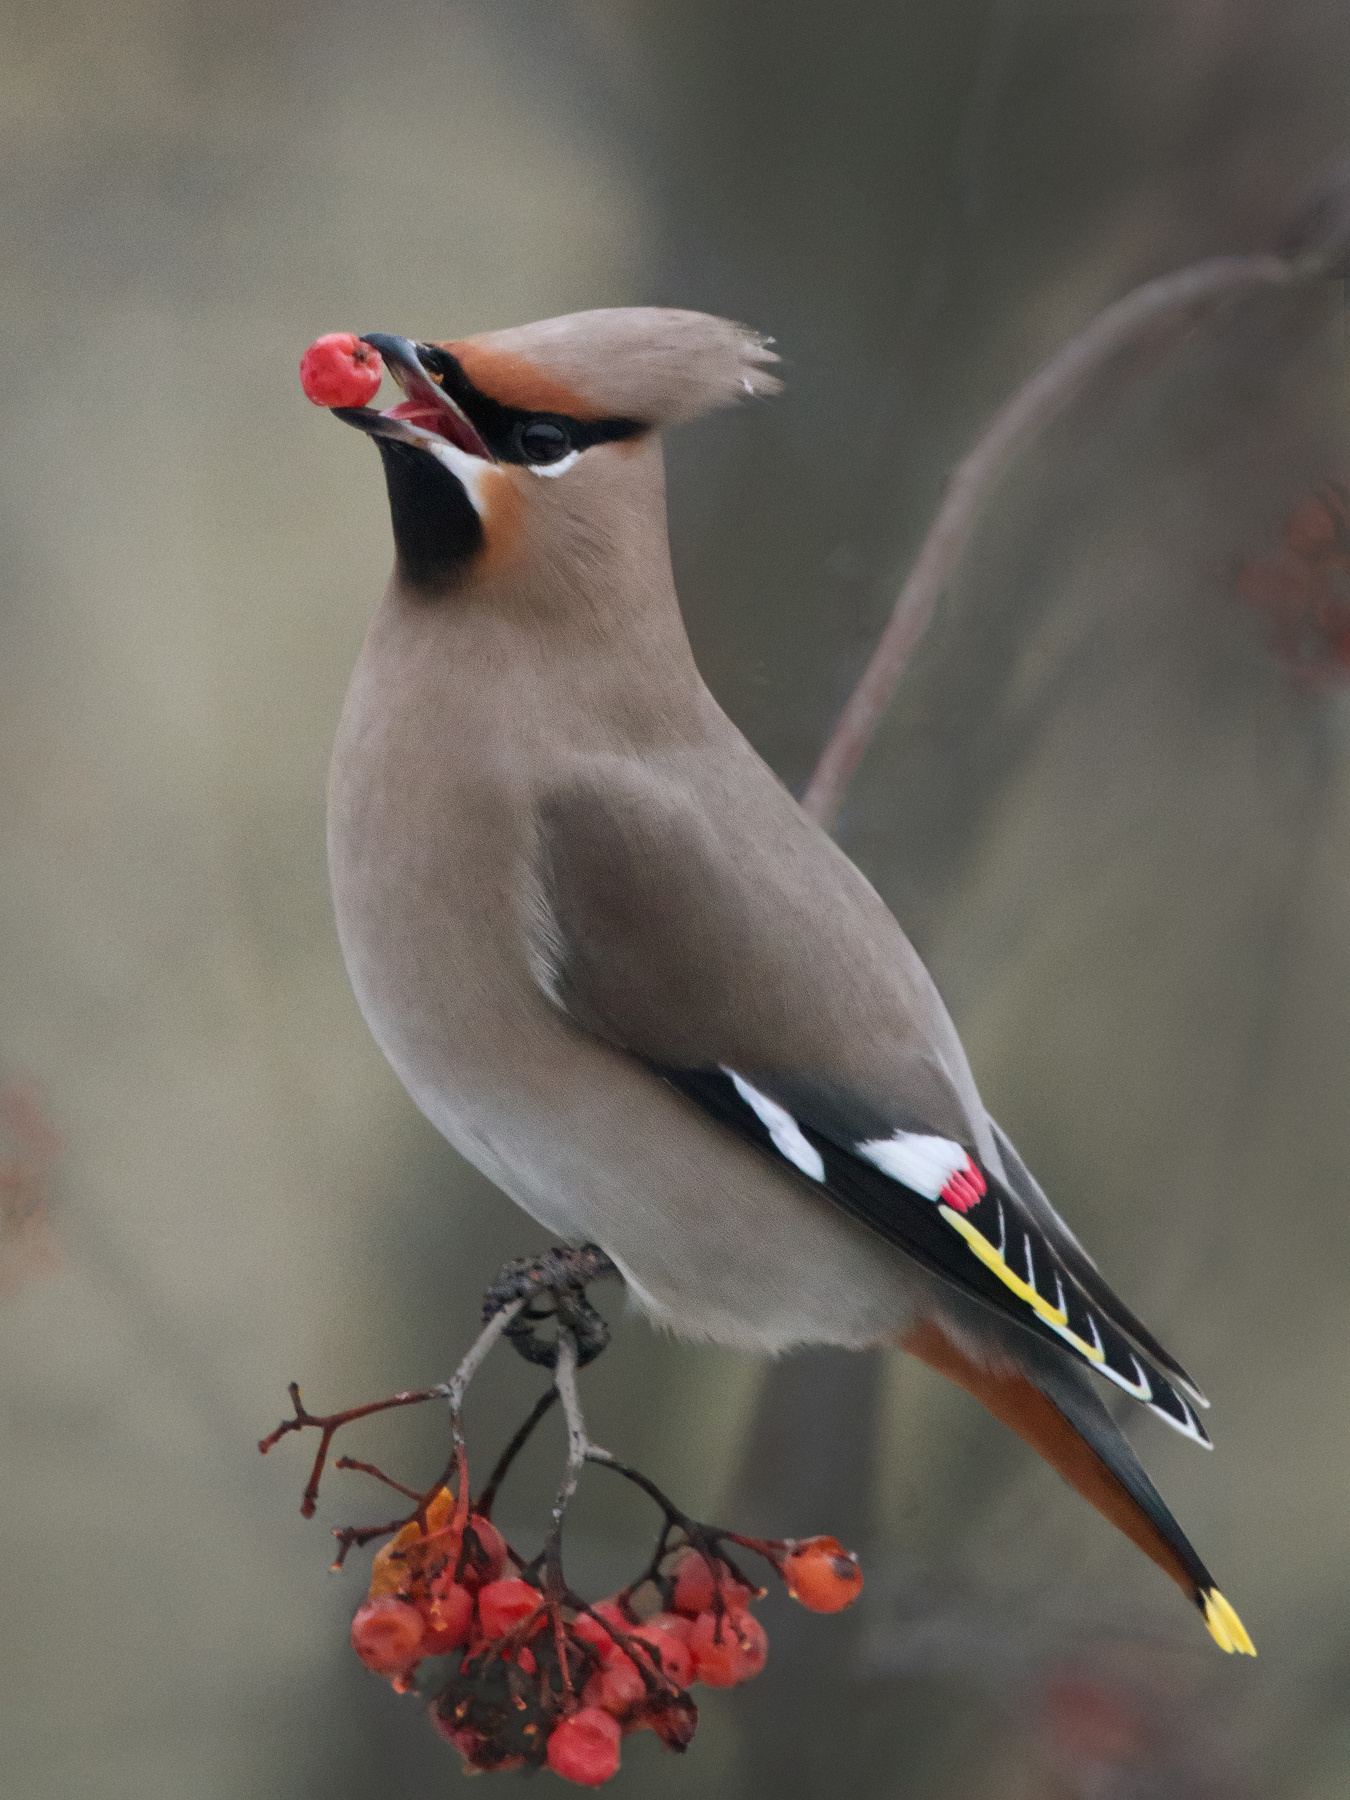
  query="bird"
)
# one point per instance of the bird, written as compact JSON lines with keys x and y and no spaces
{"x":621,"y":970}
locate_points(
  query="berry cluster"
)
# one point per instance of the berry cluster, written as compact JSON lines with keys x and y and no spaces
{"x":563,"y":1685}
{"x":542,"y":1677}
{"x":1303,"y":589}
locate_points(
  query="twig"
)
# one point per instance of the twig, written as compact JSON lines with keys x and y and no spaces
{"x":580,"y":1449}
{"x":327,"y":1425}
{"x":485,"y":1501}
{"x":365,"y":1468}
{"x":454,"y":1390}
{"x":1008,"y":433}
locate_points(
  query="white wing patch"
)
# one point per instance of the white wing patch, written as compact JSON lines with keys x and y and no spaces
{"x":925,"y":1164}
{"x":782,"y":1128}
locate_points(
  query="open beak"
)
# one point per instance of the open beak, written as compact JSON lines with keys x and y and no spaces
{"x":427,"y":418}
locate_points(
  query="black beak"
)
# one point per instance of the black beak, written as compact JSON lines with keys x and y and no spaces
{"x":427,"y":413}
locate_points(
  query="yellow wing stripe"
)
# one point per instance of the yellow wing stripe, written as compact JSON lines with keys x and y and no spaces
{"x":1225,"y":1627}
{"x":991,"y":1259}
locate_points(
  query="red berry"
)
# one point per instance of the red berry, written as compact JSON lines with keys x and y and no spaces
{"x":591,"y":1631}
{"x":693,"y":1592}
{"x":502,"y":1604}
{"x":585,"y":1748}
{"x":387,"y":1635}
{"x":822,"y":1575}
{"x":448,"y":1611}
{"x":339,"y":370}
{"x":674,"y":1623}
{"x":484,"y":1553}
{"x":616,"y":1688}
{"x":733,"y":1655}
{"x":612,"y":1614}
{"x":673,"y":1655}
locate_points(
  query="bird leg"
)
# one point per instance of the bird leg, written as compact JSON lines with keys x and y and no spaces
{"x":558,"y":1279}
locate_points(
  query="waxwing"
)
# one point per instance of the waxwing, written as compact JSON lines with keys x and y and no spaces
{"x":621,"y":970}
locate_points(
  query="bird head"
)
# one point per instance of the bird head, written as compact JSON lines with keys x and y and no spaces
{"x":519,"y":440}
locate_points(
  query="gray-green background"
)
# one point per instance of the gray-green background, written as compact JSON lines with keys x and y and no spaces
{"x":1119,"y":835}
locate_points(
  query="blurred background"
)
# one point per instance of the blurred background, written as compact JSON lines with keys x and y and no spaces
{"x":1111,"y":805}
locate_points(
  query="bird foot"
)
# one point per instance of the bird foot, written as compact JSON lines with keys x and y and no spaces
{"x":557,"y":1279}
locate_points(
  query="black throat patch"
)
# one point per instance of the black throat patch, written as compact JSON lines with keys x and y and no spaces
{"x":437,"y":532}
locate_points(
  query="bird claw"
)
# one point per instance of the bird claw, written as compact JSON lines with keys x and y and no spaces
{"x":560,"y":1275}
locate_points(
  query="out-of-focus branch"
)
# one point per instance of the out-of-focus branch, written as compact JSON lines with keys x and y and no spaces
{"x":1322,"y":238}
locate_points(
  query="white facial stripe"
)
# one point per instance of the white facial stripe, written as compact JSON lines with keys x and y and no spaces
{"x":469,"y":471}
{"x":563,"y":464}
{"x":782,"y":1128}
{"x":923,"y":1163}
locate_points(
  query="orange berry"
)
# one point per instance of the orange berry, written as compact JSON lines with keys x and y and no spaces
{"x":502,"y":1604}
{"x":387,"y":1636}
{"x":822,"y":1574}
{"x":585,"y":1748}
{"x":735,"y":1653}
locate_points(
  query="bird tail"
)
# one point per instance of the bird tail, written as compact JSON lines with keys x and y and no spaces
{"x":1069,"y":1427}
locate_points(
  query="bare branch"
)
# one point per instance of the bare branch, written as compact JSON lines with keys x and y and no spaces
{"x":454,"y":1389}
{"x":1007,"y":435}
{"x":580,"y":1449}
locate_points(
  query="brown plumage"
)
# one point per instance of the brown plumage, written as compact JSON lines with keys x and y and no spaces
{"x":621,"y":970}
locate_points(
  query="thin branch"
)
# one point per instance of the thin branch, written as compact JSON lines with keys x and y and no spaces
{"x":454,"y":1390}
{"x":1013,"y":427}
{"x":580,"y":1449}
{"x":327,"y":1426}
{"x":485,"y":1501}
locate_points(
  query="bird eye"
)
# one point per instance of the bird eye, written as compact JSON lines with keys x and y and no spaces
{"x":543,"y":442}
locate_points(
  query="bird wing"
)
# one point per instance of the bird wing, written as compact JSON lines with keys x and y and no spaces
{"x":751,"y":966}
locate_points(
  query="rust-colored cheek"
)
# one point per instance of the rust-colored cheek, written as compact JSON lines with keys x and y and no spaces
{"x":503,"y":519}
{"x":1025,"y":1410}
{"x":516,"y":381}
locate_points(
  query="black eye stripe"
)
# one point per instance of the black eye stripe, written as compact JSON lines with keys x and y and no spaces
{"x":502,"y":428}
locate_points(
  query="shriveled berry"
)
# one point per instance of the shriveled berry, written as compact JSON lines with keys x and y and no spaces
{"x":387,"y":1635}
{"x":735,"y":1653}
{"x":822,"y":1574}
{"x":673,"y":1717}
{"x":484,"y":1553}
{"x":448,"y":1611}
{"x":339,"y":370}
{"x":399,"y":1565}
{"x":585,"y":1748}
{"x":502,"y":1604}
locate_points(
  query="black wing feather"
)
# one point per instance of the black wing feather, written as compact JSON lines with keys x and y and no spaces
{"x":995,"y":1250}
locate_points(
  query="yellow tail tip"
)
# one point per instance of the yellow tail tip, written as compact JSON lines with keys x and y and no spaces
{"x":1225,"y":1627}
